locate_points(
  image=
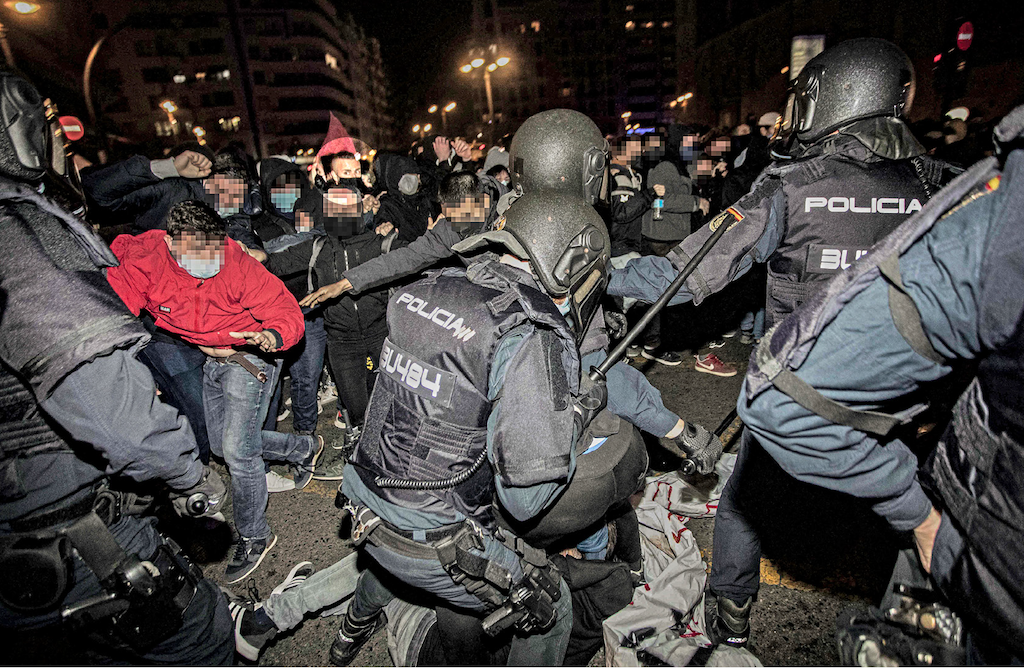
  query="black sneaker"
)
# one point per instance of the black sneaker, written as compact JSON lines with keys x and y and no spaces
{"x":727,"y":622}
{"x":253,"y":628}
{"x":249,"y":552}
{"x":352,"y":636}
{"x":304,"y":471}
{"x":331,"y":471}
{"x":662,"y":356}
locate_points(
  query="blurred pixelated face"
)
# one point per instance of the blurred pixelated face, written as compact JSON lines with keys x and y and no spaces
{"x":346,"y":168}
{"x":503,"y":177}
{"x":468,"y":210}
{"x":653,"y":146}
{"x":343,"y":212}
{"x":227,"y":193}
{"x":705,"y":167}
{"x":199,"y":255}
{"x":719,"y":147}
{"x":630,"y":151}
{"x":285,"y":192}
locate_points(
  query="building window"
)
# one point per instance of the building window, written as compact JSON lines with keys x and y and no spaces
{"x":220,"y":75}
{"x":629,"y":8}
{"x":179,"y":78}
{"x":259,"y":77}
{"x":229,"y":124}
{"x":206,"y":47}
{"x":535,"y":25}
{"x":566,"y":92}
{"x":666,"y":24}
{"x":630,"y":25}
{"x":331,"y":61}
{"x":165,"y":129}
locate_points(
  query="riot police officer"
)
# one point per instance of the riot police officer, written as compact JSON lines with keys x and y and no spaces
{"x":471,"y":355}
{"x":74,"y":559}
{"x":847,"y":172}
{"x":944,"y":289}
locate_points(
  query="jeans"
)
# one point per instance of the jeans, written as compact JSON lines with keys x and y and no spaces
{"x":305,"y":363}
{"x":539,"y":649}
{"x":348,"y":366}
{"x":753,"y":323}
{"x":236,"y":406}
{"x":177,"y":369}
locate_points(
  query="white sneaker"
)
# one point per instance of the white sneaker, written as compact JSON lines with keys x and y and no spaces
{"x":339,"y":421}
{"x":278,"y":483}
{"x":281,"y":417}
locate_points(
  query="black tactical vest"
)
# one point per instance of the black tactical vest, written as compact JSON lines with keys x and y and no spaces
{"x":837,"y":208}
{"x":427,"y":418}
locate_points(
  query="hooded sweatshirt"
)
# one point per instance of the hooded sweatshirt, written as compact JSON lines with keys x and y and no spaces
{"x":409,"y":213}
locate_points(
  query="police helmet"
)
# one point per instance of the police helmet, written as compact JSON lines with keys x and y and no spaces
{"x":854,"y":80}
{"x":25,"y":133}
{"x":560,"y":150}
{"x":566,"y":242}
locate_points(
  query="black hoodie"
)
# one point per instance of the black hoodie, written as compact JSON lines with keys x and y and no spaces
{"x":409,"y":213}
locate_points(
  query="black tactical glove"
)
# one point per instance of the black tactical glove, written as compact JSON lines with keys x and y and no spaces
{"x":591,"y":400}
{"x":201,"y":500}
{"x":616,"y":324}
{"x":699,"y":446}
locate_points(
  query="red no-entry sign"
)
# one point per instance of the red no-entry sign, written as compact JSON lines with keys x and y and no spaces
{"x":73,"y":128}
{"x":965,"y":35}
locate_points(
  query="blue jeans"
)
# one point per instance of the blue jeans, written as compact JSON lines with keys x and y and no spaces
{"x":236,"y":406}
{"x":177,"y":369}
{"x":305,"y":364}
{"x":753,"y":323}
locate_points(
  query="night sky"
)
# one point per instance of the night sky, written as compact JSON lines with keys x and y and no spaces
{"x":419,"y":41}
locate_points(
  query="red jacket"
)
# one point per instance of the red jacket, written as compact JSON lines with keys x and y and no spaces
{"x":243,"y":297}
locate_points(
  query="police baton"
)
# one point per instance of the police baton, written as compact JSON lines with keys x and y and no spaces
{"x":619,"y":351}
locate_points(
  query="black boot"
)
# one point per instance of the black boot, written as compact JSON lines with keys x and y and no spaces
{"x":727,"y":622}
{"x":352,"y":635}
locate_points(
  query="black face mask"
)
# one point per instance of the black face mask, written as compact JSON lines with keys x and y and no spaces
{"x":343,"y":227}
{"x":354,"y":184}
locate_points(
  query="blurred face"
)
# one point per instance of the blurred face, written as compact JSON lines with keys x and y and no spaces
{"x":704,"y":167}
{"x":653,"y":145}
{"x":629,"y":152}
{"x":228,"y":193}
{"x":503,"y":177}
{"x":468,"y":210}
{"x":719,"y":147}
{"x":200,"y":256}
{"x":285,"y":192}
{"x":346,"y":168}
{"x":343,"y":214}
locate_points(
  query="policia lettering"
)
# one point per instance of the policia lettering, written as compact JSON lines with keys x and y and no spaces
{"x":437,"y":315}
{"x":897,"y":205}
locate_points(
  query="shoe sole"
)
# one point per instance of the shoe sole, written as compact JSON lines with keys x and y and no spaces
{"x":244,"y":649}
{"x":723,"y":374}
{"x":329,"y":478}
{"x":239,"y":578}
{"x":312,"y":465}
{"x":283,"y":416}
{"x":660,"y":361}
{"x":287,"y":584}
{"x":715,"y":344}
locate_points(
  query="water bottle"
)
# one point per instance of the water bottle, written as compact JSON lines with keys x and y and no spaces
{"x":658,"y":205}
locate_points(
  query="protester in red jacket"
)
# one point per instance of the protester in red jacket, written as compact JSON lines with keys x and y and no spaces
{"x":202,"y":286}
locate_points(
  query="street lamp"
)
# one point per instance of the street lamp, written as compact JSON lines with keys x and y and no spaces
{"x":477,"y":63}
{"x":432,"y":109}
{"x":20,"y":8}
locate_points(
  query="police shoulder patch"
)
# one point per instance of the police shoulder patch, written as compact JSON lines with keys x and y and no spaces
{"x":731,"y":214}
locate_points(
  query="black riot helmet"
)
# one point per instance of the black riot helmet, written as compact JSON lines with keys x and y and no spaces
{"x":567,"y":245}
{"x":854,"y":80}
{"x":25,"y":133}
{"x":560,"y":150}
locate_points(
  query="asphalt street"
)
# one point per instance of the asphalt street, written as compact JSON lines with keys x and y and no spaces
{"x":819,"y":557}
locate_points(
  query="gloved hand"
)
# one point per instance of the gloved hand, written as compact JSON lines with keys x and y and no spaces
{"x":591,"y":400}
{"x":616,"y":324}
{"x":699,"y":446}
{"x":201,"y":500}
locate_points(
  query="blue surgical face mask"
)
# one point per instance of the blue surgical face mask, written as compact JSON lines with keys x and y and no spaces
{"x":199,"y":267}
{"x":283,"y":201}
{"x":563,"y":308}
{"x":225,"y":211}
